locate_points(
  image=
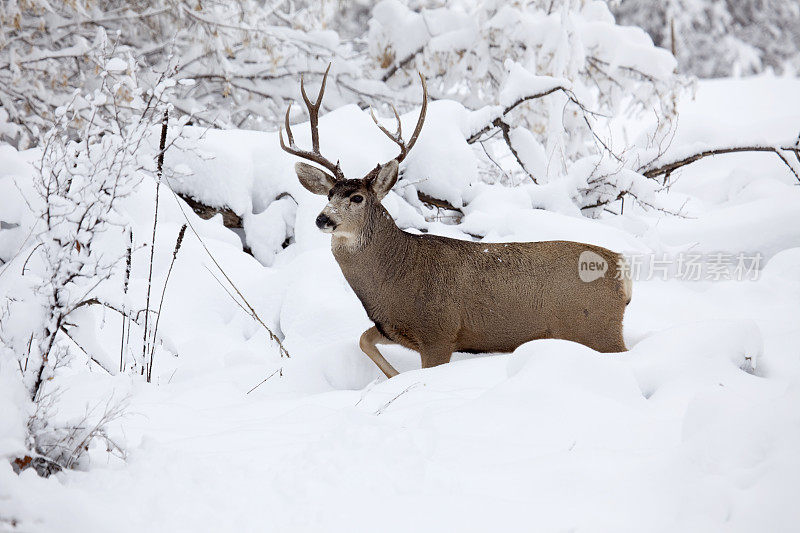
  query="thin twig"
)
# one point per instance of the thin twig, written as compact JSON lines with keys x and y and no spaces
{"x":122,"y":342}
{"x":488,"y":155}
{"x":227,"y":291}
{"x":387,"y":404}
{"x":505,"y":129}
{"x":25,"y":264}
{"x":96,"y":301}
{"x":81,"y":348}
{"x":125,"y":321}
{"x":570,"y":95}
{"x":279,"y":371}
{"x":128,"y":257}
{"x":401,"y":64}
{"x":367,"y":390}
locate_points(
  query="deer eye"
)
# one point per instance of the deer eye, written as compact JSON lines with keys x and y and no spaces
{"x":357,"y":198}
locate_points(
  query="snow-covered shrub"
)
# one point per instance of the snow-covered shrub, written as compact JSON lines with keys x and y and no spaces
{"x":95,"y":153}
{"x":558,"y":74}
{"x":715,"y":38}
{"x":238,"y":60}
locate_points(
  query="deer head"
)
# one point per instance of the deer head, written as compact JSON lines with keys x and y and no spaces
{"x":349,"y":200}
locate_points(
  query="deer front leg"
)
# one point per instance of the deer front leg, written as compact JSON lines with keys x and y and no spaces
{"x":368,"y":342}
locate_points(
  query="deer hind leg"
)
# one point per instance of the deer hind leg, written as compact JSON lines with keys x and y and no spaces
{"x":605,"y":337}
{"x":617,"y":343}
{"x":368,"y":342}
{"x":435,"y":356}
{"x":610,"y":342}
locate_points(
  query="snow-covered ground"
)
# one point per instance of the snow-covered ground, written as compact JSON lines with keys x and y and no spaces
{"x":696,"y":428}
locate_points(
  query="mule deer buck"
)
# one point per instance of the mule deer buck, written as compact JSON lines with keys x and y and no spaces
{"x":437,"y":295}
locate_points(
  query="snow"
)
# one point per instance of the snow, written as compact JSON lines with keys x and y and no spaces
{"x":405,"y":30}
{"x":520,"y":83}
{"x":442,"y":164}
{"x":116,"y":64}
{"x":735,"y":112}
{"x":765,"y":225}
{"x":12,"y":417}
{"x":696,"y":428}
{"x":629,"y":46}
{"x":744,"y":202}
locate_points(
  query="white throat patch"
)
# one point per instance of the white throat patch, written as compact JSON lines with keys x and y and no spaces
{"x":344,"y":238}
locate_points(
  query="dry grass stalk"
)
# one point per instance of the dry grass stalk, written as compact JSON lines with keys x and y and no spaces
{"x":159,"y":171}
{"x":175,"y":251}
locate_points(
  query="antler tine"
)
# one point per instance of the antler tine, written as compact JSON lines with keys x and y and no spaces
{"x":313,"y":108}
{"x":422,"y":113}
{"x":311,"y":156}
{"x":313,"y":113}
{"x":397,"y":137}
{"x":399,"y":124}
{"x":288,"y":128}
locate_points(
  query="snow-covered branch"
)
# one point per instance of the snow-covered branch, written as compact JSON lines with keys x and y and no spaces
{"x":665,"y":169}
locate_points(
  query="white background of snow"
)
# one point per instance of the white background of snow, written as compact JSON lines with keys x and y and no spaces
{"x":671,"y":436}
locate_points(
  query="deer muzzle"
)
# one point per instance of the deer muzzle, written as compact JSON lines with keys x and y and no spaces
{"x":325,"y":223}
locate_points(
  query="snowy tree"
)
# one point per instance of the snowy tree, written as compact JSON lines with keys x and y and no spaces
{"x":558,"y":73}
{"x":237,"y":65}
{"x":714,"y":38}
{"x":237,"y":61}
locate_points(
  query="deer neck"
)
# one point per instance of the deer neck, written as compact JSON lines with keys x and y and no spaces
{"x":375,"y":256}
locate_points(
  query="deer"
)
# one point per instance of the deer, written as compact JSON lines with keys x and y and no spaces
{"x":437,"y":295}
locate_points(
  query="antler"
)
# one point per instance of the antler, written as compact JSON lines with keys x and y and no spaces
{"x":397,"y":137}
{"x":313,"y":115}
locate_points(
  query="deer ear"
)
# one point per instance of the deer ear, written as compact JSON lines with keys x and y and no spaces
{"x":314,"y":179}
{"x":385,"y":180}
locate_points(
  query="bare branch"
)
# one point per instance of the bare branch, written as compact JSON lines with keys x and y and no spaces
{"x":397,"y":66}
{"x":508,"y":109}
{"x":667,"y":168}
{"x":505,"y":129}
